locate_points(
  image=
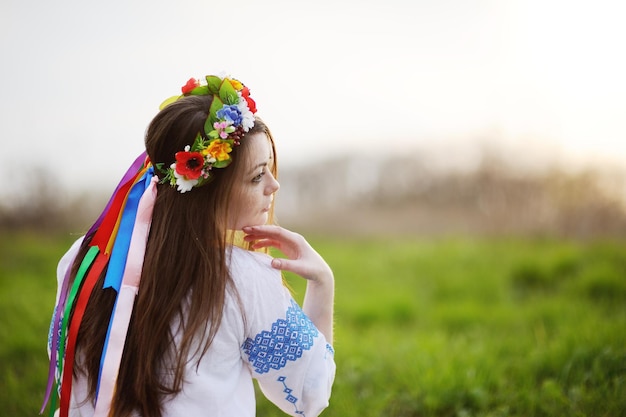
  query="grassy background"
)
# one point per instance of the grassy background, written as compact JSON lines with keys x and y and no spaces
{"x":424,"y":327}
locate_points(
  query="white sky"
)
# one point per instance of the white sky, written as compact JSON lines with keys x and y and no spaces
{"x":80,"y":80}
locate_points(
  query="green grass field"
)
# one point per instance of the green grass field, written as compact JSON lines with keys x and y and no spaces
{"x":441,"y":327}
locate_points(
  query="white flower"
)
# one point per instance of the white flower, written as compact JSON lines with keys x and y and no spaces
{"x":184,"y":184}
{"x":247,"y":117}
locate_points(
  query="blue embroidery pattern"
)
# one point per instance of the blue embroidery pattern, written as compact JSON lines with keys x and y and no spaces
{"x":290,"y":398}
{"x":329,"y":350}
{"x":50,"y":330}
{"x":287,"y":341}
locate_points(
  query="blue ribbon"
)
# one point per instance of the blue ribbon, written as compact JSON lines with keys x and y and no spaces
{"x":117,"y":261}
{"x":119,"y":253}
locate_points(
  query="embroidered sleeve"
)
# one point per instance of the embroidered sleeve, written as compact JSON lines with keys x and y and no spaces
{"x":285,"y":352}
{"x":287,"y":340}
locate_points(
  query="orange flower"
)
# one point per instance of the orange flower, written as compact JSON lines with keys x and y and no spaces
{"x":219,"y":150}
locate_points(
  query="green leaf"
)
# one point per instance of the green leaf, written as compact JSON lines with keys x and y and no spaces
{"x":221,"y":164}
{"x":168,"y":101}
{"x":202,"y":90}
{"x":213,"y":83}
{"x":215,"y":106}
{"x":228,"y":94}
{"x":198,"y":143}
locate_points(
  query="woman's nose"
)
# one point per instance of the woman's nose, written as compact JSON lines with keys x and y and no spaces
{"x":273,"y":186}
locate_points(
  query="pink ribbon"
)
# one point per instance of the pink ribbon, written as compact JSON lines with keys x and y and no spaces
{"x":125,"y":301}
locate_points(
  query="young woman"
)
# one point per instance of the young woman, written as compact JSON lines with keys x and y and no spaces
{"x":170,"y":304}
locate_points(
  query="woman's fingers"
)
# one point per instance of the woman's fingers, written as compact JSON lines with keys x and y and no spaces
{"x":265,"y":243}
{"x":274,"y":236}
{"x":302,"y":259}
{"x":266,"y":231}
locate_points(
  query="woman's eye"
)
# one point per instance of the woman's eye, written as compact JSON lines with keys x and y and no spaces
{"x":259,"y":177}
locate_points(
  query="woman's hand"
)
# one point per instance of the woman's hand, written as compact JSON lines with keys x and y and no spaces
{"x":302,"y":259}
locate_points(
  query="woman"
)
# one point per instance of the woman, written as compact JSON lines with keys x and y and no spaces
{"x":159,"y":313}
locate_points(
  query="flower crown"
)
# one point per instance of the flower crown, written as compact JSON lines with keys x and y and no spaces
{"x":230,"y":116}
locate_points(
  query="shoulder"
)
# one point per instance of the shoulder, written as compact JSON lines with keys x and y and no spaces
{"x":68,"y":258}
{"x":242,"y":260}
{"x":252,"y":273}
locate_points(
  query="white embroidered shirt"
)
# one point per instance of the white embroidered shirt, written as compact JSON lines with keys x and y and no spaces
{"x":276,"y":344}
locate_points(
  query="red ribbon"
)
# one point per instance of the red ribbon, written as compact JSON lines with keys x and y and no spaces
{"x":79,"y":310}
{"x":102,"y":239}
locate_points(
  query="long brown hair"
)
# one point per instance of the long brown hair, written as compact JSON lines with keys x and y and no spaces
{"x":184,"y":274}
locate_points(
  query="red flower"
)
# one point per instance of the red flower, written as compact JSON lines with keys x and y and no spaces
{"x":189,"y":164}
{"x":245,"y":93}
{"x":191,"y":84}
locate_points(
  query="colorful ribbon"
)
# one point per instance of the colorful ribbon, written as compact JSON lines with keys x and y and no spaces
{"x":130,"y":173}
{"x":67,"y":365}
{"x":120,"y":251}
{"x":125,"y":301}
{"x":54,"y":342}
{"x":119,"y":234}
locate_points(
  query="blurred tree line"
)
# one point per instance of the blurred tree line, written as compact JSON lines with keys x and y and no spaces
{"x":410,"y":195}
{"x":395,"y":195}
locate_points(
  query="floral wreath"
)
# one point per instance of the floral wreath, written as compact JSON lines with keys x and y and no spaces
{"x":230,"y":116}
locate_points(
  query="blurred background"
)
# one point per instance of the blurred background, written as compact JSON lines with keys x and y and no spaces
{"x":444,"y":116}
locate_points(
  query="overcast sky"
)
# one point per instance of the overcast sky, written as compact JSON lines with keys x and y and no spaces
{"x":80,"y":80}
